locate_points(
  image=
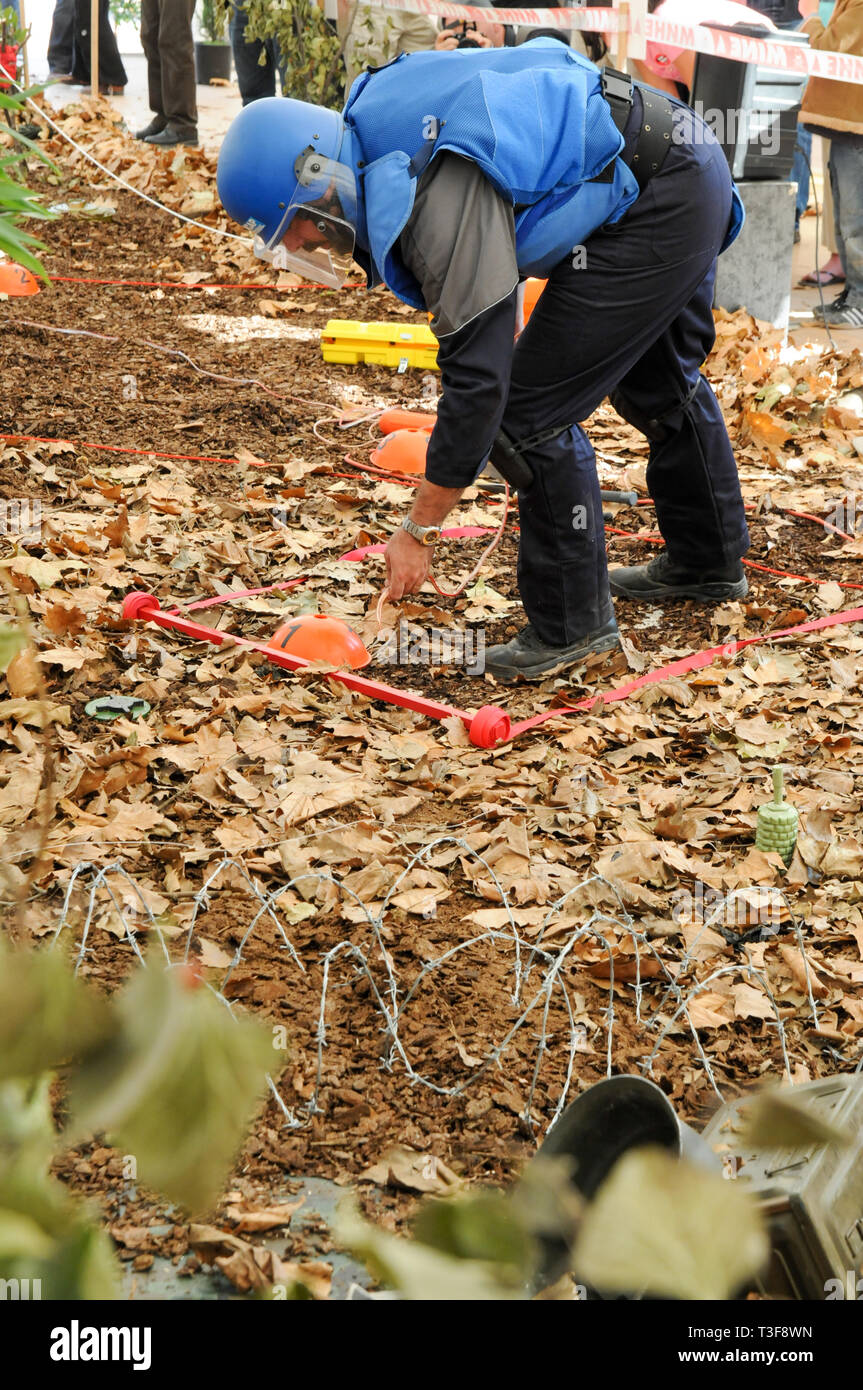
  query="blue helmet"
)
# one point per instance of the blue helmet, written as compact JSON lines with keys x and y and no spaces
{"x":280,"y":158}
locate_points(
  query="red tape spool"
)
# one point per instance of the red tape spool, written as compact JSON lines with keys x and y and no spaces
{"x":137,"y":603}
{"x":489,"y":726}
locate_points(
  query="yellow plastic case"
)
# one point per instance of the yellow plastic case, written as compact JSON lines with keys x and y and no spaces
{"x":379,"y":344}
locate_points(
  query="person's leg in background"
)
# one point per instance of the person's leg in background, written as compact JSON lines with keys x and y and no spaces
{"x":833,"y":271}
{"x":112,"y":73}
{"x":802,"y":159}
{"x":255,"y":79}
{"x":150,"y":17}
{"x":846,"y":173}
{"x":175,"y":47}
{"x":800,"y":174}
{"x":60,"y":43}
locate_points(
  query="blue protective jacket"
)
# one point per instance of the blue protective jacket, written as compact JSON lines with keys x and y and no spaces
{"x":532,"y":118}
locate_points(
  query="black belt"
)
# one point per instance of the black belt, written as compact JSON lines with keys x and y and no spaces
{"x":657,"y":126}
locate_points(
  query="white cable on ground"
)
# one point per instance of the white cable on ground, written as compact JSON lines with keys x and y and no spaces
{"x":181,"y":217}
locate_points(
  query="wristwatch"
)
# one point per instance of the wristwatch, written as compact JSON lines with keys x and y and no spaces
{"x":426,"y":535}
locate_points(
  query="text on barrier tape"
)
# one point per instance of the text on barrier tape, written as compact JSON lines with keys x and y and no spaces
{"x":772,"y":53}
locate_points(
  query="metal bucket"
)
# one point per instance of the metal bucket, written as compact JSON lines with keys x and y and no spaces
{"x":597,"y":1129}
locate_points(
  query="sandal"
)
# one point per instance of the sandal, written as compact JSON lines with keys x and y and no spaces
{"x":821,"y":277}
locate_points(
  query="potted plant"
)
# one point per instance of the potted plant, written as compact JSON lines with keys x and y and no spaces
{"x":212,"y":50}
{"x":312,"y":65}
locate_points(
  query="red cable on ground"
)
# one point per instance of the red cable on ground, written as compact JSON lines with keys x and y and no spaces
{"x":490,"y":725}
{"x":456,"y":533}
{"x":803,"y":578}
{"x":786,"y":511}
{"x":121,"y":449}
{"x":696,"y":662}
{"x":203,"y":285}
{"x":237,"y":593}
{"x":471,"y":532}
{"x":384,"y":473}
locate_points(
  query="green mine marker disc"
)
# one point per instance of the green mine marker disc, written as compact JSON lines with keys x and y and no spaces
{"x":116,"y":706}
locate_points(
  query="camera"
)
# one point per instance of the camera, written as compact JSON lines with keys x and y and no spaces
{"x":463,"y":39}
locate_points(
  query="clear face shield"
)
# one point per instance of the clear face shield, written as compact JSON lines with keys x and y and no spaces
{"x":315,"y":238}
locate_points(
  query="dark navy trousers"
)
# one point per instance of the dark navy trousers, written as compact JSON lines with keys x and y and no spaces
{"x":634,"y":322}
{"x":255,"y":79}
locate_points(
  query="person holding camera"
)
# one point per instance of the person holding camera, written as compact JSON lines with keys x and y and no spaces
{"x":482,"y":33}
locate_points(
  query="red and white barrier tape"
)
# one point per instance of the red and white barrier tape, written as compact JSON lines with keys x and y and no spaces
{"x":607,"y":20}
{"x":769,"y":53}
{"x":775,"y":52}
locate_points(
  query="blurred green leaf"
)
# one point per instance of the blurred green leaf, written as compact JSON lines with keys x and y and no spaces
{"x":45,"y":1234}
{"x":47,"y":1017}
{"x":418,"y":1272}
{"x":481,"y":1227}
{"x":21,"y":1238}
{"x":26,"y":1120}
{"x":178,"y":1085}
{"x":663,"y":1226}
{"x":11,"y":642}
{"x":779,"y":1120}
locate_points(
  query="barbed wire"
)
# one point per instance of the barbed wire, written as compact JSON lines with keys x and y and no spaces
{"x":391,"y":997}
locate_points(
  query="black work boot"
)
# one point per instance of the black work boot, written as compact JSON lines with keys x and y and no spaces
{"x":156,"y":126}
{"x":528,"y":657}
{"x":662,"y":579}
{"x":174,"y":134}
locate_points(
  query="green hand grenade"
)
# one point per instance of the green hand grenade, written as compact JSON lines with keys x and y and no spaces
{"x":777,"y":823}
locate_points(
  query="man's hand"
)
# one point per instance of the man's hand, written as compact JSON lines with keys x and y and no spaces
{"x":408,"y":564}
{"x":807,"y":8}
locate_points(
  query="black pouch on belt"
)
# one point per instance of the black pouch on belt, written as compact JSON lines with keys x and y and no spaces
{"x":657,"y":126}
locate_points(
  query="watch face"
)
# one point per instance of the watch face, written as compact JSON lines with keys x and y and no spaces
{"x":432,"y":535}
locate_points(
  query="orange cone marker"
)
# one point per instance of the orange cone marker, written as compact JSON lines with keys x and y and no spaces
{"x":316,"y":637}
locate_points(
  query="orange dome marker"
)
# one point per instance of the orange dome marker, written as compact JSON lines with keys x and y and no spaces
{"x":404,"y":451}
{"x":396,"y":419}
{"x":15,"y":280}
{"x":315,"y":637}
{"x":532,"y":290}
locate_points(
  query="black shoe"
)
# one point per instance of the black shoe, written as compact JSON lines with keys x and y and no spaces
{"x":530,"y":658}
{"x":156,"y":126}
{"x":174,"y":134}
{"x":662,"y":579}
{"x":844,"y":315}
{"x":838,"y":303}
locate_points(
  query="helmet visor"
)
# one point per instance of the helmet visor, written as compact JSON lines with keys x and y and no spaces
{"x":315,"y":239}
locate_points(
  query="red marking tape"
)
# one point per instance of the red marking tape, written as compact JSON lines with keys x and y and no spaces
{"x":489,"y":726}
